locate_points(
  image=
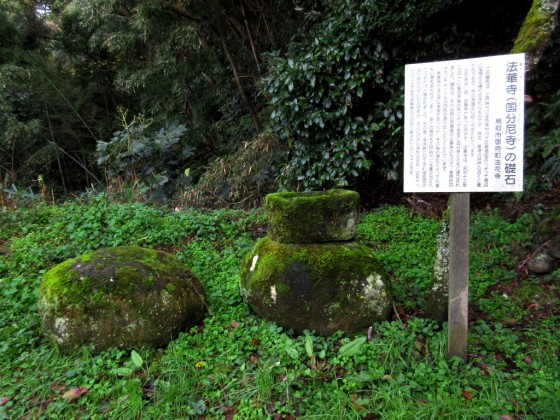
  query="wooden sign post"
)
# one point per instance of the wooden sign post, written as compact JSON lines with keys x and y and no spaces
{"x":463,"y":133}
{"x":458,"y":307}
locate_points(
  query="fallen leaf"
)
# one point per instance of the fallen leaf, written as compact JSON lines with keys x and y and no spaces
{"x":199,"y":364}
{"x":74,"y":393}
{"x":527,"y":359}
{"x":255,"y":341}
{"x":356,"y":403}
{"x":358,"y":407}
{"x":542,"y":314}
{"x":149,"y":391}
{"x":4,"y":400}
{"x":467,"y":395}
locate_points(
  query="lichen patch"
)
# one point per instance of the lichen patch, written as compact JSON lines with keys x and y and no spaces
{"x":254,"y":263}
{"x":273,"y":294}
{"x":61,"y":328}
{"x":373,"y":286}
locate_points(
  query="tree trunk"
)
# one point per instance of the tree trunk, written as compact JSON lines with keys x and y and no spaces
{"x":536,"y":30}
{"x":242,"y":92}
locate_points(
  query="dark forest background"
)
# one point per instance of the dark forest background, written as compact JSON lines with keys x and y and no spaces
{"x":216,"y":103}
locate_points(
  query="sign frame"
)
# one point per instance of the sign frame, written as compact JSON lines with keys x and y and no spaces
{"x":463,"y":129}
{"x":468,"y":118}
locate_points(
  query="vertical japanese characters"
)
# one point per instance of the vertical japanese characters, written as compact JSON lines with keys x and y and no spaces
{"x":512,"y":121}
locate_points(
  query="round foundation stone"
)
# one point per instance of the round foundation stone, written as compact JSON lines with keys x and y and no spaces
{"x":123,"y":297}
{"x":322,"y":287}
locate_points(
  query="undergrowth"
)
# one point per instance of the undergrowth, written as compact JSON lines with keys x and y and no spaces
{"x":236,"y":365}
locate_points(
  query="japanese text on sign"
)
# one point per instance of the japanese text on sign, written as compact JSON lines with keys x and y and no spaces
{"x":464,"y":125}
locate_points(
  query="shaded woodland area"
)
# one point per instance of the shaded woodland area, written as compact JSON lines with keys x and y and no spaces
{"x":162,"y":124}
{"x":216,"y":103}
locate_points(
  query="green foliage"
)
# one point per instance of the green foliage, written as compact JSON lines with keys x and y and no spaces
{"x":405,"y":245}
{"x":352,"y":348}
{"x":236,"y":364}
{"x":492,"y":241}
{"x":239,"y":180}
{"x":49,"y":120}
{"x":336,"y":96}
{"x":543,"y":147}
{"x":333,"y":82}
{"x":325,"y":98}
{"x":18,"y":116}
{"x":154,"y":158}
{"x":188,"y":64}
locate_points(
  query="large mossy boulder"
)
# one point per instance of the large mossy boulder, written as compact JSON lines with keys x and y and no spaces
{"x":323,"y":287}
{"x":311,"y":217}
{"x":122,"y":297}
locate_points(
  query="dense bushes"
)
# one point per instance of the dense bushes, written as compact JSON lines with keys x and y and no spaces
{"x":543,"y":146}
{"x":336,"y":97}
{"x":200,"y":79}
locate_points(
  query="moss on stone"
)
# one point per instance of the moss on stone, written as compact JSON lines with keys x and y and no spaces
{"x":122,"y":270}
{"x":536,"y":28}
{"x":323,"y":287}
{"x":311,"y":217}
{"x":119,"y":297}
{"x":437,"y":301}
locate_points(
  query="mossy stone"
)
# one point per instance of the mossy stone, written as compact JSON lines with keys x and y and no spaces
{"x":536,"y":28}
{"x":323,"y":287}
{"x":124,"y":297}
{"x":312,"y":217}
{"x":541,"y":263}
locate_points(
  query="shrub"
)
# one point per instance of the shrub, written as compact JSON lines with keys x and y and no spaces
{"x":239,"y":180}
{"x":543,"y":147}
{"x":337,"y":96}
{"x":139,"y":153}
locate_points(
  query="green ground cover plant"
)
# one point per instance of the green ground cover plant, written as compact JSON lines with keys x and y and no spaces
{"x":236,"y":365}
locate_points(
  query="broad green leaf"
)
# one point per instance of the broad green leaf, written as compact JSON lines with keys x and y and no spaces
{"x":352,"y":348}
{"x":309,"y":345}
{"x":136,"y":359}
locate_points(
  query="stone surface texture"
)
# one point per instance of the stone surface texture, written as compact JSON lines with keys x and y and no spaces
{"x":541,"y":263}
{"x":312,"y":217}
{"x":123,"y":297}
{"x":309,"y":274}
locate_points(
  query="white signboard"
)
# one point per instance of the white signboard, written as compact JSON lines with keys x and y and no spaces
{"x":464,"y":125}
